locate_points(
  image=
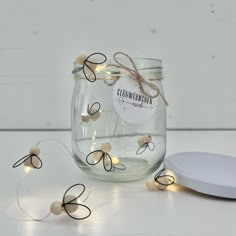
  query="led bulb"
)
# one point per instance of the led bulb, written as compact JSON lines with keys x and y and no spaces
{"x":99,"y":68}
{"x":27,"y":169}
{"x":115,"y":161}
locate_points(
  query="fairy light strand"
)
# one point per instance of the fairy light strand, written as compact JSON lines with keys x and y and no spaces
{"x":37,"y":163}
{"x":158,"y":177}
{"x":19,"y":204}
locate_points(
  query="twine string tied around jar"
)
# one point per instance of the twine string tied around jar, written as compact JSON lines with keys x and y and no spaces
{"x":137,"y":76}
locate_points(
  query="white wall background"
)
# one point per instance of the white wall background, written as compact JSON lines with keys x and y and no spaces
{"x":40,"y":39}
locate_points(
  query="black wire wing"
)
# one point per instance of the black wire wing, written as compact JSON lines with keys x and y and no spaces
{"x":81,"y":207}
{"x":95,"y":157}
{"x":27,"y":157}
{"x":118,"y":167}
{"x":89,"y":73}
{"x":95,"y":105}
{"x":145,"y":146}
{"x":107,"y":162}
{"x":159,"y":178}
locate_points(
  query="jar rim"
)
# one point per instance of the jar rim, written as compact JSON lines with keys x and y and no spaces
{"x":142,"y":64}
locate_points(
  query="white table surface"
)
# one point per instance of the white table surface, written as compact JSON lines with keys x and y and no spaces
{"x":117,"y":209}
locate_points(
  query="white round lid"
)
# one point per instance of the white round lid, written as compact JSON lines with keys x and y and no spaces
{"x":208,"y":173}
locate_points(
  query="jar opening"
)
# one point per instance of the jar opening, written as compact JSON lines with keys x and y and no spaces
{"x":143,"y":65}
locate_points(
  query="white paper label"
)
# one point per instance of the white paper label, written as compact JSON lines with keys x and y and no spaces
{"x":130,"y":103}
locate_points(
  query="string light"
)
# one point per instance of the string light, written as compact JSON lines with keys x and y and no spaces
{"x":70,"y":203}
{"x":161,"y":181}
{"x":95,"y":157}
{"x":102,"y":155}
{"x":31,"y":160}
{"x":90,"y":65}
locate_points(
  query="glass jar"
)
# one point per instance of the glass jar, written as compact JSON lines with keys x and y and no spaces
{"x":118,"y":132}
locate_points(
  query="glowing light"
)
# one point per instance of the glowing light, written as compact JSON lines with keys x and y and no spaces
{"x":27,"y":169}
{"x":169,"y":172}
{"x":173,"y":188}
{"x":99,"y":68}
{"x":115,"y":161}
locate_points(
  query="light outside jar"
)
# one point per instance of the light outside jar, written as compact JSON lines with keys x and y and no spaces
{"x":137,"y":149}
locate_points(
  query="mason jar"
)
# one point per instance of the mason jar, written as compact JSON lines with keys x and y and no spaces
{"x":118,"y":116}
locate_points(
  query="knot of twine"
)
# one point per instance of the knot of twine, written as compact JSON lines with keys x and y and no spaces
{"x":137,"y":76}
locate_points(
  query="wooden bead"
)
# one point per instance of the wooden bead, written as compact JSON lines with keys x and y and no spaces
{"x":95,"y":116}
{"x":85,"y":118}
{"x":34,"y":150}
{"x":150,"y":184}
{"x":140,"y":142}
{"x":160,"y":186}
{"x":80,"y":59}
{"x":97,"y":156}
{"x":144,"y":139}
{"x":106,"y":147}
{"x":56,"y":208}
{"x":70,"y":207}
{"x":147,"y":138}
{"x":34,"y":163}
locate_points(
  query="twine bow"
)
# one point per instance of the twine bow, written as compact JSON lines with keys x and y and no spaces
{"x":137,"y":76}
